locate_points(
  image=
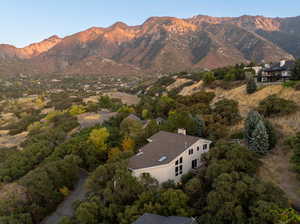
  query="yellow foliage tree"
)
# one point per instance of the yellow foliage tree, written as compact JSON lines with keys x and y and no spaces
{"x":52,"y":115}
{"x":99,"y":137}
{"x":40,"y":102}
{"x":114,"y":153}
{"x":128,"y":144}
{"x":64,"y":191}
{"x":77,"y":109}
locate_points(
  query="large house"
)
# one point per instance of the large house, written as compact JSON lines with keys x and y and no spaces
{"x":168,"y":156}
{"x":148,"y":218}
{"x":276,"y":72}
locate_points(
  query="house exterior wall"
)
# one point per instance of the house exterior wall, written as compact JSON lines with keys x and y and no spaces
{"x":167,"y":172}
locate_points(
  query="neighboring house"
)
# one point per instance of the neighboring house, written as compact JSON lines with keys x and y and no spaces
{"x":144,"y":123}
{"x":168,"y":156}
{"x":276,"y":72}
{"x":148,"y":218}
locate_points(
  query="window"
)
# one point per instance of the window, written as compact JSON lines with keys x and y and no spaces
{"x":178,"y":168}
{"x":194,"y":163}
{"x":191,"y":151}
{"x":205,"y":147}
{"x":198,"y":148}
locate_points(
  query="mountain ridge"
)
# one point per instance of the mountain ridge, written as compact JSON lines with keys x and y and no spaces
{"x":160,"y":44}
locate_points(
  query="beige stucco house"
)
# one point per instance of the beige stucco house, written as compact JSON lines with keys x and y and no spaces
{"x":168,"y":156}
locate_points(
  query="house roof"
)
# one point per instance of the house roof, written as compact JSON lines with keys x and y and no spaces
{"x":133,"y":117}
{"x":276,"y":66}
{"x":162,"y":149}
{"x":148,"y":218}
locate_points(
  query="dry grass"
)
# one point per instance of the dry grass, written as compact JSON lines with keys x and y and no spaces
{"x":288,"y":124}
{"x":91,"y":99}
{"x":7,"y":141}
{"x":13,"y":191}
{"x":124,"y":97}
{"x":276,"y":169}
{"x":189,"y":90}
{"x":177,"y":83}
{"x":91,"y":119}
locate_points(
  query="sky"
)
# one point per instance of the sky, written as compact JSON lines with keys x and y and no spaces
{"x":26,"y":21}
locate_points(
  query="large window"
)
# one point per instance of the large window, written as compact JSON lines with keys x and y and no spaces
{"x":178,"y":166}
{"x":194,"y":164}
{"x":204,"y":146}
{"x":191,"y":151}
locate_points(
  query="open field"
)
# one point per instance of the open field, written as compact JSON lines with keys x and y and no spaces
{"x":124,"y":97}
{"x":8,"y":141}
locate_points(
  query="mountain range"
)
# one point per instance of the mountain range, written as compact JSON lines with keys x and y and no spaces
{"x":160,"y":44}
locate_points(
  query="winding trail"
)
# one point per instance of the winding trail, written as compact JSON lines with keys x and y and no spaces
{"x":65,"y":208}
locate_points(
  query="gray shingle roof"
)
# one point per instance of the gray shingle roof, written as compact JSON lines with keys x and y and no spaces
{"x":148,"y":218}
{"x":163,"y":145}
{"x":276,"y":67}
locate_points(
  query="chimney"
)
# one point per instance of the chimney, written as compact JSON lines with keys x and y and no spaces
{"x":282,"y":63}
{"x":181,"y":131}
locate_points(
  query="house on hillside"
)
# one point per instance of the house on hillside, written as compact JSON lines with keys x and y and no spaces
{"x":276,"y":72}
{"x":148,"y":218}
{"x":168,"y":156}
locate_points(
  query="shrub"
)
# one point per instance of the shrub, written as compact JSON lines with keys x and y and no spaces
{"x":227,"y":111}
{"x":276,"y":106}
{"x":251,"y":86}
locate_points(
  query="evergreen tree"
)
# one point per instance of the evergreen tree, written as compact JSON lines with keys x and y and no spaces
{"x":260,"y":139}
{"x":251,"y":86}
{"x":250,"y":124}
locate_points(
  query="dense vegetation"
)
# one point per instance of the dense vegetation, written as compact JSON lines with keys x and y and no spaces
{"x":276,"y":106}
{"x":226,"y":191}
{"x":34,"y":180}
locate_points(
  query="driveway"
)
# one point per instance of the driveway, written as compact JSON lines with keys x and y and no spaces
{"x":65,"y":208}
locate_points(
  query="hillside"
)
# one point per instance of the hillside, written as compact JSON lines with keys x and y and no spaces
{"x":160,"y":44}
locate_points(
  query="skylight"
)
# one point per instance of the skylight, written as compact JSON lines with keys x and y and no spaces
{"x":162,"y":158}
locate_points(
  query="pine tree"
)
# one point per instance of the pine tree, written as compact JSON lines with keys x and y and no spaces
{"x":250,"y":124}
{"x":251,"y":86}
{"x":260,"y":139}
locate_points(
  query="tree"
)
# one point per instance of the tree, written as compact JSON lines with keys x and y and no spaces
{"x":260,"y":139}
{"x":66,"y":220}
{"x":183,"y":120}
{"x":230,"y":76}
{"x":208,"y":78}
{"x":228,"y":191}
{"x":114,"y":153}
{"x":251,"y":86}
{"x":296,"y":70}
{"x":128,"y":144}
{"x":276,"y":106}
{"x":151,"y":128}
{"x":98,"y":137}
{"x":131,"y":127}
{"x":88,"y":213}
{"x":77,"y":109}
{"x":251,"y":121}
{"x":145,"y":114}
{"x":227,"y":111}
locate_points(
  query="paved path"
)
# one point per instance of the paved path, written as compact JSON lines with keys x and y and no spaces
{"x":65,"y":208}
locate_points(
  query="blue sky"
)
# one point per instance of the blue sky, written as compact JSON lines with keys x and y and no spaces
{"x":26,"y":21}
